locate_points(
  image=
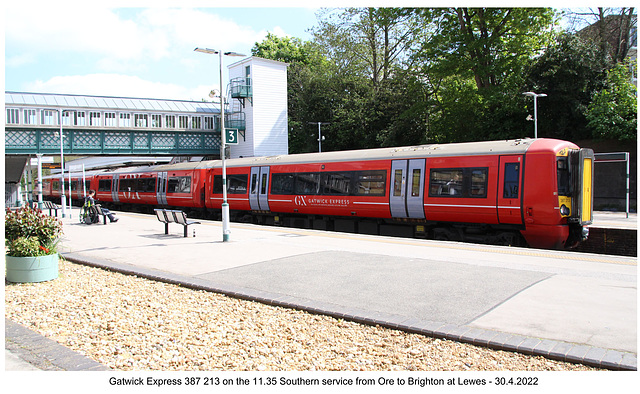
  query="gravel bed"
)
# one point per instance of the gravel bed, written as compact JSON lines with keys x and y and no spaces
{"x":131,"y":323}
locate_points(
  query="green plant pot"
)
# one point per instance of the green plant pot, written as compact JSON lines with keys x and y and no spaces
{"x":31,"y":269}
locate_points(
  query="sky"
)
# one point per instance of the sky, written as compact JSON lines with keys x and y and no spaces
{"x":135,"y":48}
{"x":143,"y":48}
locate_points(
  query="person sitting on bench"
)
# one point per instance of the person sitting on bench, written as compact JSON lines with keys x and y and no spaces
{"x":89,"y":202}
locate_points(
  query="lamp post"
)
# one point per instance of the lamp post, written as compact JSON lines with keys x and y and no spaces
{"x":535,"y":110}
{"x":320,"y":137}
{"x":63,"y":196}
{"x":226,"y":230}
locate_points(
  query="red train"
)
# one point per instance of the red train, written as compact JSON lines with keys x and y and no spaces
{"x":535,"y":192}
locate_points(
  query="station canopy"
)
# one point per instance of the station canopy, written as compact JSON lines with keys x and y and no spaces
{"x":69,"y":101}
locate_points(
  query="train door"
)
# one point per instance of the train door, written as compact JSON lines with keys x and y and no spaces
{"x":406,"y":199}
{"x":259,"y":189}
{"x":114,"y":188}
{"x":161,"y":188}
{"x":510,"y":190}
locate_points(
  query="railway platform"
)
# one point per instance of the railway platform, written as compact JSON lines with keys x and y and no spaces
{"x":578,"y":307}
{"x":612,"y":233}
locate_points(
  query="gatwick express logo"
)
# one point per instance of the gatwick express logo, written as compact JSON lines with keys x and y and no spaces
{"x":303,"y":201}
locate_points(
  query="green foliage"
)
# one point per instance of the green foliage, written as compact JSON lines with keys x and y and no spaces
{"x":27,"y":227}
{"x":570,"y":72}
{"x":613,"y":112}
{"x":401,"y":76}
{"x":25,"y":247}
{"x":283,"y":49}
{"x":491,"y":45}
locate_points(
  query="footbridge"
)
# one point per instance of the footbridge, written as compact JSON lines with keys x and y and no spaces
{"x":41,"y":124}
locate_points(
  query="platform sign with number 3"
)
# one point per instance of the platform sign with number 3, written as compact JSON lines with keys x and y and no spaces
{"x":231,"y":136}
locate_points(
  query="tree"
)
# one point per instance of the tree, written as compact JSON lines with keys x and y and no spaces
{"x":570,"y":72}
{"x":613,"y":112}
{"x":610,"y":28}
{"x":367,"y":42}
{"x":473,"y":64}
{"x":493,"y":44}
{"x":285,"y":49}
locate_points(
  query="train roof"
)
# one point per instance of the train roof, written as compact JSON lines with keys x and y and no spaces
{"x":504,"y":147}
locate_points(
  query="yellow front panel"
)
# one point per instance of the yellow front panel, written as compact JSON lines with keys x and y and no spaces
{"x":587,"y":182}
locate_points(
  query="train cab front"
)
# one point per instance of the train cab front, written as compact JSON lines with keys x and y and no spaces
{"x":575,"y":192}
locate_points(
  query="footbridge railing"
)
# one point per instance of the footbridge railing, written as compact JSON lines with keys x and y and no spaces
{"x":111,"y":142}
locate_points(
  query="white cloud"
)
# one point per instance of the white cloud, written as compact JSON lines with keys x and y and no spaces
{"x":117,"y":85}
{"x":20,"y":60}
{"x":90,"y":28}
{"x":119,"y":39}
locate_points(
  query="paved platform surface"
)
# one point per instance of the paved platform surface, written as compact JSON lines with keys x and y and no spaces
{"x":618,"y":220}
{"x":570,"y":306}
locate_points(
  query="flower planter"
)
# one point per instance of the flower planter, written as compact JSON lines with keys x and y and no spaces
{"x":31,"y":269}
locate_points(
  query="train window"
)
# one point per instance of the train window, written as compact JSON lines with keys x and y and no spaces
{"x":280,"y":183}
{"x":397,"y":183}
{"x":138,"y":185}
{"x":236,"y":184}
{"x":479,"y":182}
{"x":415,"y":183}
{"x":336,"y":183}
{"x":254,"y":184}
{"x":307,"y":183}
{"x":446,"y":182}
{"x":147,"y":185}
{"x":511,"y":180}
{"x":179,"y":184}
{"x":372,"y":183}
{"x":263,"y":189}
{"x":128,"y":184}
{"x":347,"y":183}
{"x":564,"y":177}
{"x":458,"y":182}
{"x":104,"y":185}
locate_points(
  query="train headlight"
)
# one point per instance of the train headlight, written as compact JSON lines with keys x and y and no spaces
{"x":564,"y":210}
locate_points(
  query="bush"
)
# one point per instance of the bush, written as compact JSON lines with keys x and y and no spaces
{"x":31,"y":231}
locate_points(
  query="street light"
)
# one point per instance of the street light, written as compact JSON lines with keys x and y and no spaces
{"x":535,"y":110}
{"x":226,"y":231}
{"x":320,"y":136}
{"x":63,"y":197}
